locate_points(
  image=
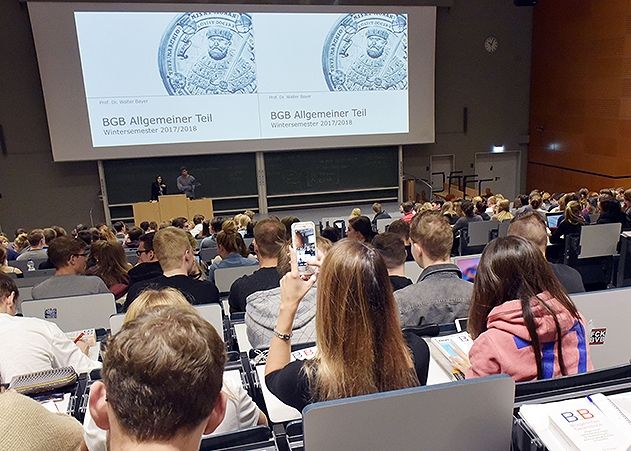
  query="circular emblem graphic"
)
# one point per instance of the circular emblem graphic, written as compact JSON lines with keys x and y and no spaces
{"x":208,"y":53}
{"x":367,"y":52}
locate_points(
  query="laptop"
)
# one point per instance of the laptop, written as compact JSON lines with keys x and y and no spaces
{"x":74,"y":313}
{"x":440,"y":417}
{"x":468,"y":265}
{"x":607,"y":314}
{"x":553,"y":219}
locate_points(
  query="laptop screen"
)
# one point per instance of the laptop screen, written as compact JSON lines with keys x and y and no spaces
{"x":468,"y":266}
{"x":554,"y":219}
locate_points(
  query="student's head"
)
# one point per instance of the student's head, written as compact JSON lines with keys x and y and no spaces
{"x":151,"y":298}
{"x":144,"y":225}
{"x":331,"y":234}
{"x":35,"y":238}
{"x":119,"y":227}
{"x":111,"y":263}
{"x":573,"y":212}
{"x":377,"y":208}
{"x":360,"y":344}
{"x":153,"y":226}
{"x":20,"y":242}
{"x":407,"y":207}
{"x":392,"y":250}
{"x":531,"y":227}
{"x":627,"y":197}
{"x":180,"y":222}
{"x":503,"y":205}
{"x":145,"y":250}
{"x":229,"y":240}
{"x":183,"y":171}
{"x":49,"y":235}
{"x":287,"y":221}
{"x":242,"y":221}
{"x":216,"y":223}
{"x":356,"y":212}
{"x":9,"y":294}
{"x":609,"y":205}
{"x":513,"y":268}
{"x":432,"y":239}
{"x":360,"y":228}
{"x":173,"y":249}
{"x":198,"y":219}
{"x":467,"y":208}
{"x":448,"y":208}
{"x":162,"y":378}
{"x":68,"y":253}
{"x":3,"y":254}
{"x":535,"y":201}
{"x":269,"y":237}
{"x":400,"y":228}
{"x":134,"y":234}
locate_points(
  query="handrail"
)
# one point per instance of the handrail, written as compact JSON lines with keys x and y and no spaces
{"x":480,"y":184}
{"x":442,"y":173}
{"x":457,"y":177}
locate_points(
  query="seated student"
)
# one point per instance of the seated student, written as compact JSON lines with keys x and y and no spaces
{"x":148,"y":266}
{"x":402,"y":229}
{"x":468,"y":209}
{"x":440,"y":295}
{"x":28,"y":345}
{"x":121,"y":231}
{"x":69,"y":256}
{"x":407,"y":210}
{"x":211,"y":240}
{"x":480,"y":208}
{"x":392,"y":250}
{"x":269,"y":237}
{"x":503,"y":211}
{"x":262,"y":307}
{"x":175,"y":360}
{"x":11,"y":253}
{"x":231,"y":248}
{"x":28,"y":425}
{"x":611,"y":212}
{"x":241,"y":411}
{"x":177,"y":259}
{"x":448,"y":212}
{"x":331,"y":234}
{"x":133,"y":238}
{"x":37,"y":244}
{"x":532,"y":227}
{"x":572,"y":222}
{"x":4,"y":264}
{"x":198,"y":225}
{"x":361,"y":348}
{"x":380,"y":213}
{"x":528,"y":328}
{"x":111,"y":266}
{"x":360,"y":229}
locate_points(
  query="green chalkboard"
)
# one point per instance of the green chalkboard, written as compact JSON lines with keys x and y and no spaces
{"x":224,"y":175}
{"x":314,"y":171}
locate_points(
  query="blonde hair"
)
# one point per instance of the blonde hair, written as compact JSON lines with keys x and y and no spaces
{"x":150,"y":298}
{"x":503,"y":211}
{"x":170,"y":244}
{"x":361,"y":349}
{"x":356,"y":212}
{"x":230,"y":239}
{"x":242,"y":221}
{"x":20,"y":242}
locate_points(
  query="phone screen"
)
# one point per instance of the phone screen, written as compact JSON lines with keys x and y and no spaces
{"x":304,"y":242}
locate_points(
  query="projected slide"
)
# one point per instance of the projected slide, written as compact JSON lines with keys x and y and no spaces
{"x":158,"y":78}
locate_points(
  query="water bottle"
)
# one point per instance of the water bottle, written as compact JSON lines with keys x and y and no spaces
{"x":30,"y":265}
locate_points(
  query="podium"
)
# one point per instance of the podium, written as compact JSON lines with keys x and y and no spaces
{"x":172,"y":206}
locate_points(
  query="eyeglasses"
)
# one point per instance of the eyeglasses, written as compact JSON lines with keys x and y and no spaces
{"x":139,"y":253}
{"x":85,"y":254}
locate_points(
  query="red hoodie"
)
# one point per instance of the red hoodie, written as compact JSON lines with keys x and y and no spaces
{"x":505,"y":346}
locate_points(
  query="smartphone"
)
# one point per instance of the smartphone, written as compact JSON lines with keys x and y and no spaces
{"x":303,"y":239}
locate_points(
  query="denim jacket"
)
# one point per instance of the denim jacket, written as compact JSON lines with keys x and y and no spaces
{"x":440,"y":296}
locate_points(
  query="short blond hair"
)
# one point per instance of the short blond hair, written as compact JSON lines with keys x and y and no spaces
{"x":170,"y":244}
{"x":151,"y":298}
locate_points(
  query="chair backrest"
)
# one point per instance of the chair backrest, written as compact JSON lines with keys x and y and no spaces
{"x":31,"y":281}
{"x":39,"y":273}
{"x":502,"y":230}
{"x":132,"y":257}
{"x":207,"y":253}
{"x":412,"y":271}
{"x":417,"y":418}
{"x":26,"y":293}
{"x":248,"y":241}
{"x":23,"y":264}
{"x":210,"y":312}
{"x":383,"y":223}
{"x":74,"y":313}
{"x":224,"y":277}
{"x":599,"y":240}
{"x":479,"y":232}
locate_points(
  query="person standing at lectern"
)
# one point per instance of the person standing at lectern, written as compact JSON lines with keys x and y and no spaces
{"x":158,"y":188}
{"x":186,"y":183}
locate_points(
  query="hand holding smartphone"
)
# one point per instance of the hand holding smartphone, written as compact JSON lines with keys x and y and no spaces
{"x":303,"y":240}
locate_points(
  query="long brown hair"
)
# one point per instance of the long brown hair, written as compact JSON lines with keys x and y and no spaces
{"x":361,"y":349}
{"x":230,"y":239}
{"x":573,"y":213}
{"x":111,"y":264}
{"x":513,"y":268}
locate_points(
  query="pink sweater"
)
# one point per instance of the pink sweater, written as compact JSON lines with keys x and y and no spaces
{"x":505,"y":346}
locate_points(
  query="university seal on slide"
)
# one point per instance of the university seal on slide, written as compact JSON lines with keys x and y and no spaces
{"x":367,"y":52}
{"x":205,"y":53}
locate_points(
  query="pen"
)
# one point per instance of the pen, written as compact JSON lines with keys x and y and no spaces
{"x":76,"y":340}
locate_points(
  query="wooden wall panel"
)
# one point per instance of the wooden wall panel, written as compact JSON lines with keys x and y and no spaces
{"x":580,"y":115}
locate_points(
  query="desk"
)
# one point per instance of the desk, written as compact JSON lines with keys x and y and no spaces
{"x":242,"y":338}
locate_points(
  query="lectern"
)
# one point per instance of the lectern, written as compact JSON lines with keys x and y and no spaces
{"x":172,"y":206}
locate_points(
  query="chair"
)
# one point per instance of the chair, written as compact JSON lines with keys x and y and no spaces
{"x":206,"y":254}
{"x":31,"y":281}
{"x":412,"y":271}
{"x":23,"y":264}
{"x":440,"y":417}
{"x":39,"y":273}
{"x":382,"y":224}
{"x":74,"y":313}
{"x":224,"y":277}
{"x":476,"y":235}
{"x":258,"y":437}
